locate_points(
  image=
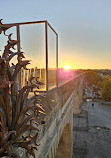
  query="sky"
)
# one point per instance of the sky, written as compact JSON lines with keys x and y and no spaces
{"x":83,"y":26}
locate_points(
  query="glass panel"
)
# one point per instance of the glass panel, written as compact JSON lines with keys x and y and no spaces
{"x":32,"y":38}
{"x":51,"y":59}
{"x":65,"y":75}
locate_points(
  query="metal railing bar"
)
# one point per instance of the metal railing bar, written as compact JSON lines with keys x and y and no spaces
{"x":57,"y":60}
{"x":18,"y":49}
{"x":46,"y":40}
{"x":52,"y":28}
{"x":24,"y":23}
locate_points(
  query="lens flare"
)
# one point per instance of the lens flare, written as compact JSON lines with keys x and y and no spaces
{"x":67,"y":67}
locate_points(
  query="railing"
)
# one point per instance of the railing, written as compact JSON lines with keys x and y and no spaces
{"x":39,"y":41}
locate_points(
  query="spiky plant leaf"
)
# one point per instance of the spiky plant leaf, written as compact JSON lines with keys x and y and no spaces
{"x":19,"y":115}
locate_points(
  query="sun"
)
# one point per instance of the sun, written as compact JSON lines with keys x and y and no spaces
{"x":67,"y":67}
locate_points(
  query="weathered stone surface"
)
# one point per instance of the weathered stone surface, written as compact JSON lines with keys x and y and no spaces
{"x":96,"y":142}
{"x":60,"y":115}
{"x":60,"y":104}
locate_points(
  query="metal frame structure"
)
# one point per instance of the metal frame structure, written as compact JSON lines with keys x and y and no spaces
{"x":46,"y":48}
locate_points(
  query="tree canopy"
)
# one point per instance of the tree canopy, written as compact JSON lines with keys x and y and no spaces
{"x":105,"y":88}
{"x":92,"y":77}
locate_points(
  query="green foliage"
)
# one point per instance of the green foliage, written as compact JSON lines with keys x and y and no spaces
{"x":100,"y":85}
{"x":105,"y":88}
{"x":92,"y":77}
{"x":106,"y":93}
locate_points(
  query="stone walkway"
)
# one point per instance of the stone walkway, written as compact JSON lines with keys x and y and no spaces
{"x":92,"y":132}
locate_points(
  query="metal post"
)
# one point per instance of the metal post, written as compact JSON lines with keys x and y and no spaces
{"x":56,"y":60}
{"x":46,"y":40}
{"x":18,"y":49}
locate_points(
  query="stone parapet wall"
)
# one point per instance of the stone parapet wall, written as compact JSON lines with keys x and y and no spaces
{"x":55,"y":99}
{"x":59,"y":104}
{"x":67,"y":95}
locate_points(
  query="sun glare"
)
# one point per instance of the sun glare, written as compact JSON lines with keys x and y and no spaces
{"x":67,"y":67}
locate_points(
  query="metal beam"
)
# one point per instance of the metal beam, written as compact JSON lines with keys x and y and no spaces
{"x":57,"y":60}
{"x":25,"y":23}
{"x":18,"y":49}
{"x":46,"y":40}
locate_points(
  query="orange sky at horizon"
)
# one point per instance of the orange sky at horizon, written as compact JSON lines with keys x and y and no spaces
{"x":83,"y":27}
{"x":75,"y":58}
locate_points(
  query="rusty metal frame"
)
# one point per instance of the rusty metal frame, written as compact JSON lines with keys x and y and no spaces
{"x":57,"y":60}
{"x":56,"y":53}
{"x":46,"y":48}
{"x":46,"y":40}
{"x":18,"y":49}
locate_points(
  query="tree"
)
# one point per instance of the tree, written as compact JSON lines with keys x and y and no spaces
{"x":100,"y":85}
{"x":92,"y":77}
{"x":106,"y":92}
{"x":105,"y":88}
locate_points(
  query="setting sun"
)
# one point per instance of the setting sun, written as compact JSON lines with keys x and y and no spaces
{"x":67,"y":67}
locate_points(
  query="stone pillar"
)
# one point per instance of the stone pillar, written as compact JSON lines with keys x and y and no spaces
{"x":64,"y":147}
{"x":78,"y":98}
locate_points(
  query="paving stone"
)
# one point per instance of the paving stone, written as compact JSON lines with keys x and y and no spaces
{"x":83,"y":123}
{"x":76,"y":122}
{"x":92,"y":139}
